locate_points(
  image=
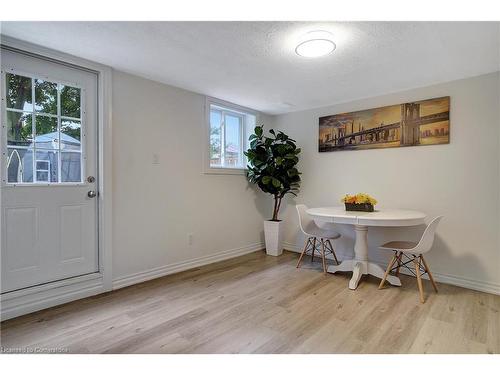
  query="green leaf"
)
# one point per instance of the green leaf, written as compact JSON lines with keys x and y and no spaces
{"x":258,"y":131}
{"x":266,"y":179}
{"x":282,"y":136}
{"x":281,"y":148}
{"x":276,"y":182}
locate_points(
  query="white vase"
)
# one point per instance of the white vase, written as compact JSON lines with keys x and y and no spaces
{"x":273,"y":231}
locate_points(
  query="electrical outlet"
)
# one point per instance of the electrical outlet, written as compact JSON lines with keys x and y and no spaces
{"x":156,"y":159}
{"x":190,"y":238}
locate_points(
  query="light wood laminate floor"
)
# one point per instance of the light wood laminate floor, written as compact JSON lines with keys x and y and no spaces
{"x":262,"y":304}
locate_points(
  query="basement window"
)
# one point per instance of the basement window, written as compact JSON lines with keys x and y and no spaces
{"x":229,"y":127}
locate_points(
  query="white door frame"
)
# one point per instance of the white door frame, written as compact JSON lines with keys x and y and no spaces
{"x":52,"y":294}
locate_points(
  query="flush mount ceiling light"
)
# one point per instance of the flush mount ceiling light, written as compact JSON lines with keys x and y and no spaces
{"x":316,"y":44}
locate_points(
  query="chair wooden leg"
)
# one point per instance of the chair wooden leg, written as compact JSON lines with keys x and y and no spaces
{"x":391,"y":263}
{"x":333,"y":252}
{"x":314,"y":249}
{"x":323,"y":255}
{"x":429,"y":273}
{"x":308,"y":240}
{"x":419,"y":279}
{"x":399,"y":263}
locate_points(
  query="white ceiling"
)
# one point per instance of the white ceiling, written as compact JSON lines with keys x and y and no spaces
{"x":254,"y":63}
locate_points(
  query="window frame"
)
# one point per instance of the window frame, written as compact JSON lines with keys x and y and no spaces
{"x":234,"y":110}
{"x":4,"y":110}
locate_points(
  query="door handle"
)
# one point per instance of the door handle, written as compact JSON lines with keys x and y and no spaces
{"x":92,"y":194}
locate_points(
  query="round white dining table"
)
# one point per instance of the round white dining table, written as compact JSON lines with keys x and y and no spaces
{"x":360,"y":265}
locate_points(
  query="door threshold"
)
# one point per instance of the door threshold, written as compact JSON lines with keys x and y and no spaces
{"x":50,"y":285}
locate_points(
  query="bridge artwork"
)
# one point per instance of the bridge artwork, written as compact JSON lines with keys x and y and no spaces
{"x":425,"y":122}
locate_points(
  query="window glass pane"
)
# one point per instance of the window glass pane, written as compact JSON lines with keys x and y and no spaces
{"x":46,"y":96}
{"x":42,"y":165}
{"x":70,"y":135}
{"x":70,"y":101}
{"x":46,"y":135}
{"x":46,"y":165}
{"x":19,"y":164}
{"x":215,"y":137}
{"x":71,"y":164}
{"x":232,"y":148}
{"x":18,"y":90}
{"x":19,"y":128}
{"x":42,"y":176}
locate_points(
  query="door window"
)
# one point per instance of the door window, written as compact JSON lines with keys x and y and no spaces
{"x":44,"y":131}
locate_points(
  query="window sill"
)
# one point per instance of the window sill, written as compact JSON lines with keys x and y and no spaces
{"x":234,"y":171}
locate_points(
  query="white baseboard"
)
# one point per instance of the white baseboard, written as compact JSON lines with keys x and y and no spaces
{"x":482,"y":286}
{"x":154,"y":273}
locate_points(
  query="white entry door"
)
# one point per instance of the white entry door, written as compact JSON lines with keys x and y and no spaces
{"x":49,"y":213}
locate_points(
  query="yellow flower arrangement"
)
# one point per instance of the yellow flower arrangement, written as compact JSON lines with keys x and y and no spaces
{"x":359,"y":198}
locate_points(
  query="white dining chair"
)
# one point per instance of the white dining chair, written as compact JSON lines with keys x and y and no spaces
{"x":313,"y":233}
{"x":414,"y":253}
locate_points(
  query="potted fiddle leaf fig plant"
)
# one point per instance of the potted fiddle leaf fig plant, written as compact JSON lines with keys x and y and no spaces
{"x":272,"y":165}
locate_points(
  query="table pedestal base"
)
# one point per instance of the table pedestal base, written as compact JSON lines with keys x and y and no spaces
{"x":360,"y":268}
{"x":360,"y":265}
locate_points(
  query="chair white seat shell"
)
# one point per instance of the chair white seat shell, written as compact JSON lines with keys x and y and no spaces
{"x":398,"y":245}
{"x":315,"y":231}
{"x":312,"y":233}
{"x":414,"y":252}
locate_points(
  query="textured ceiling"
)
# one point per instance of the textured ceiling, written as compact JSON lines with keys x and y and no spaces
{"x":254,"y":63}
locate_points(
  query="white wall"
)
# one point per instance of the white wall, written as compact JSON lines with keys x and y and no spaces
{"x":156,"y":206}
{"x":459,"y":180}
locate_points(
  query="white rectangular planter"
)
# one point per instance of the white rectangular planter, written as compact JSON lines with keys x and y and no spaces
{"x":273,"y":231}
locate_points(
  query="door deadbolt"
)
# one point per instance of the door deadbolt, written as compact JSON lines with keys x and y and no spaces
{"x":90,"y":179}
